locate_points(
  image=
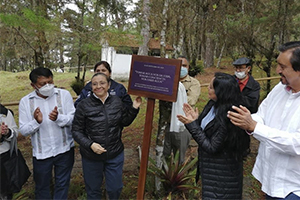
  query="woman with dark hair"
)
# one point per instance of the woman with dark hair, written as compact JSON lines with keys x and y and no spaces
{"x":221,"y":145}
{"x":8,"y":133}
{"x":114,"y":89}
{"x":97,"y":127}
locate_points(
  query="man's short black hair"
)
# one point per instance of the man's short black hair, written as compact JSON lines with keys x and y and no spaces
{"x":40,"y":71}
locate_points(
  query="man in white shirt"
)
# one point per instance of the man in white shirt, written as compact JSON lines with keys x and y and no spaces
{"x":276,"y":125}
{"x":178,"y":140}
{"x":46,"y":114}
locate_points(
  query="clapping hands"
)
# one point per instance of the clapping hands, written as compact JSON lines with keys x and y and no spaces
{"x":190,"y":114}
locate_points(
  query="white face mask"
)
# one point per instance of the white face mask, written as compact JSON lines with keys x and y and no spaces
{"x":47,"y":90}
{"x":240,"y":75}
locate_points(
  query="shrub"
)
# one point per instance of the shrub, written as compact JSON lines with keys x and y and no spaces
{"x":194,"y":70}
{"x":77,"y":86}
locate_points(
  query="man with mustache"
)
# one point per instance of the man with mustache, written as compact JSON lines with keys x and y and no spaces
{"x":276,"y":125}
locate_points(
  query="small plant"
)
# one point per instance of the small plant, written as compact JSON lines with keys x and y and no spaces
{"x":176,"y":178}
{"x":198,"y":68}
{"x":77,"y":86}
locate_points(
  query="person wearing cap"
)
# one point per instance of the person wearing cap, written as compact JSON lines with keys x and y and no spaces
{"x":249,"y":87}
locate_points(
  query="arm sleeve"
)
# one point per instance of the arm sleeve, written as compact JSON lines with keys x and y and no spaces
{"x":281,"y":141}
{"x":129,"y":114}
{"x":79,"y":127}
{"x":212,"y":144}
{"x":11,"y":124}
{"x":66,"y":118}
{"x":27,"y":124}
{"x":193,"y":92}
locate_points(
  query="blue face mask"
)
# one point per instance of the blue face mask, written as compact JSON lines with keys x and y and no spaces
{"x":183,"y":72}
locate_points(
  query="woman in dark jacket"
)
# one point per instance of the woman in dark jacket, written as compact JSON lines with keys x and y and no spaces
{"x":97,"y":127}
{"x":221,"y":145}
{"x":8,"y":133}
{"x":115,"y":88}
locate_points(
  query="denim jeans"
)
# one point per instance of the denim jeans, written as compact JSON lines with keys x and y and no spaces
{"x":93,"y":172}
{"x":42,"y":174}
{"x":291,"y":196}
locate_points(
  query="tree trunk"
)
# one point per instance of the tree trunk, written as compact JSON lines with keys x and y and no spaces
{"x":38,"y":58}
{"x":163,"y":30}
{"x":80,"y":53}
{"x":160,"y":133}
{"x":180,"y":36}
{"x":143,"y":49}
{"x":221,"y":54}
{"x":209,"y":52}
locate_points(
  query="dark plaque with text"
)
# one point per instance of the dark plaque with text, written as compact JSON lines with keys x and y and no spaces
{"x":156,"y":78}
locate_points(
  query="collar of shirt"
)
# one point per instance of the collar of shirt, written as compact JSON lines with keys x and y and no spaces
{"x":243,"y":83}
{"x":288,"y":89}
{"x":186,"y":79}
{"x":101,"y":99}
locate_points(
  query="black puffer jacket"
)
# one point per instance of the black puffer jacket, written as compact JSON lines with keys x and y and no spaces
{"x":221,"y":173}
{"x":103,"y":124}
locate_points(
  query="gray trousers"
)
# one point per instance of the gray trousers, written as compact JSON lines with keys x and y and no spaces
{"x":176,"y":141}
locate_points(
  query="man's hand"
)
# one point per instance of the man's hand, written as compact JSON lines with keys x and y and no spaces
{"x":242,"y":118}
{"x":97,"y":148}
{"x":38,"y":115}
{"x":53,"y":115}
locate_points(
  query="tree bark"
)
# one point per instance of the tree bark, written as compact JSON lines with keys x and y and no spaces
{"x":143,"y":49}
{"x":163,"y":30}
{"x":209,"y":53}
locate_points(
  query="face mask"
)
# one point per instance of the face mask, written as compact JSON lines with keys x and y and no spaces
{"x":183,"y":72}
{"x":47,"y":90}
{"x":240,"y":75}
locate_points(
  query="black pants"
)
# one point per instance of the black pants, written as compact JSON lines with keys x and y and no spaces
{"x":3,"y":183}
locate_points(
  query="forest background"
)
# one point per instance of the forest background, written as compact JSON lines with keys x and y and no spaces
{"x":59,"y":33}
{"x":210,"y":33}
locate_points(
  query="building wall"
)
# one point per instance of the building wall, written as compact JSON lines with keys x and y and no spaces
{"x":120,"y":63}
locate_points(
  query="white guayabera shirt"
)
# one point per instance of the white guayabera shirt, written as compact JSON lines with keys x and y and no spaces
{"x":277,"y":165}
{"x":49,"y":138}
